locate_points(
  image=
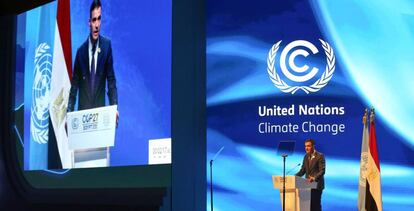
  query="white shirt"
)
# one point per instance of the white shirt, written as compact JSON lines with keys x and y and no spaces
{"x":90,"y":53}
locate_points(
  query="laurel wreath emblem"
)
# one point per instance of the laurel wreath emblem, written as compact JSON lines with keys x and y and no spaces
{"x":40,"y":94}
{"x":319,"y":84}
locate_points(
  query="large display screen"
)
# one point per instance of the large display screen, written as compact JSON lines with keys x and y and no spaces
{"x":293,"y":70}
{"x":132,"y":70}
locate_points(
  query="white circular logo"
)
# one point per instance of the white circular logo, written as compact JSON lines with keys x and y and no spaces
{"x":75,"y":123}
{"x":39,"y":121}
{"x":300,"y":73}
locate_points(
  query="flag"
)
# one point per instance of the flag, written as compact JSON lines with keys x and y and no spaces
{"x":60,"y":80}
{"x":38,"y":64}
{"x":364,"y":164}
{"x":373,"y":198}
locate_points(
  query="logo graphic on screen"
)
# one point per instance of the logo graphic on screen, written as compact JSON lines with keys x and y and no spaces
{"x":302,"y":73}
{"x":59,"y":107}
{"x":39,"y":123}
{"x":75,"y":123}
{"x":106,"y":119}
{"x":90,"y":121}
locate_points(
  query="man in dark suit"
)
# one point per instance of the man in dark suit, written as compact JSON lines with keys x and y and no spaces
{"x":93,"y":68}
{"x":313,"y":167}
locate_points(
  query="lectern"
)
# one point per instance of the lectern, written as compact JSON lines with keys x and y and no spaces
{"x":90,"y":134}
{"x":298,"y":192}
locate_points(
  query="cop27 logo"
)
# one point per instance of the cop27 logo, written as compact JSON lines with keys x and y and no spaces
{"x":299,"y":75}
{"x":39,"y":121}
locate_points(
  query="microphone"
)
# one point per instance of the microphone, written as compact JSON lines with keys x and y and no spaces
{"x":293,"y":168}
{"x":211,"y":177}
{"x":217,"y":154}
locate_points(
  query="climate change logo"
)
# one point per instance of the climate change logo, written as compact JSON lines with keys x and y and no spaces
{"x":39,"y":122}
{"x":302,"y":74}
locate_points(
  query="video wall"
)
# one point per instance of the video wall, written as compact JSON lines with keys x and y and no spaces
{"x":293,"y":70}
{"x":133,"y":56}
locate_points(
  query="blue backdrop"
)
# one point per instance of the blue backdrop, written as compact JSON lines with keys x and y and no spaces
{"x":373,"y":67}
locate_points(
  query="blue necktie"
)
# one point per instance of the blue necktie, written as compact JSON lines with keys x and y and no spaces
{"x":92,"y":79}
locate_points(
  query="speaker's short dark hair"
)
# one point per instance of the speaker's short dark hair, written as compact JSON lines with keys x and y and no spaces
{"x":95,"y":4}
{"x":310,"y":140}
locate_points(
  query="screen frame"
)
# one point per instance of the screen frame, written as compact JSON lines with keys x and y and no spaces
{"x":149,"y":183}
{"x":187,"y":174}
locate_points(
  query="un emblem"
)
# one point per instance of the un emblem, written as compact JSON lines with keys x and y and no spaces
{"x":39,"y":121}
{"x":299,"y":75}
{"x":75,"y":123}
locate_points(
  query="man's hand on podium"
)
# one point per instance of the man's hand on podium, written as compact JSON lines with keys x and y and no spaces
{"x":311,"y":179}
{"x":117,"y":118}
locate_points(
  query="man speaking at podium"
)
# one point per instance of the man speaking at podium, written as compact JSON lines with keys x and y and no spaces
{"x":93,"y":68}
{"x":313,"y":166}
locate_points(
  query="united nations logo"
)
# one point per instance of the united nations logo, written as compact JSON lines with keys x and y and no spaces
{"x":39,"y":121}
{"x":75,"y":123}
{"x":301,"y":76}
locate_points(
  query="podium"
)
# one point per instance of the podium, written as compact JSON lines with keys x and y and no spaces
{"x":91,"y":133}
{"x":298,"y":192}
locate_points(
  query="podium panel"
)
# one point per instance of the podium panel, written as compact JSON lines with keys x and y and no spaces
{"x":290,"y":199}
{"x":92,"y":128}
{"x":297,"y":192}
{"x":90,"y":134}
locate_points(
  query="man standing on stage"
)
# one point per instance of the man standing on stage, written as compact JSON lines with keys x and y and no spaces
{"x":93,"y":68}
{"x":313,"y":167}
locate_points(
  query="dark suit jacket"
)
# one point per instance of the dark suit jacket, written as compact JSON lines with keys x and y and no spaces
{"x":314,"y":168}
{"x":93,"y":97}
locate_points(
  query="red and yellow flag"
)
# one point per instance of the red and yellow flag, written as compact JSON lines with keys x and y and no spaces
{"x":373,"y":200}
{"x":60,"y":82}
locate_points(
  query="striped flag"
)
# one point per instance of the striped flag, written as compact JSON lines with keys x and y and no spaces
{"x":60,"y":80}
{"x":373,"y":198}
{"x":364,"y":164}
